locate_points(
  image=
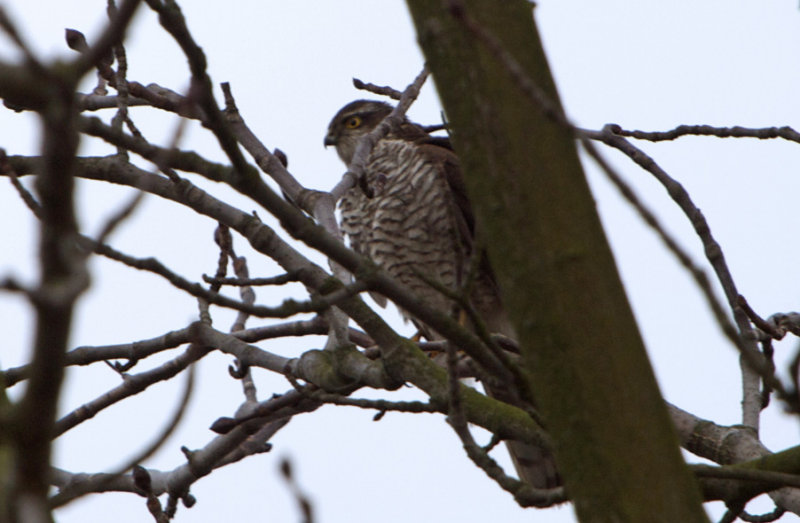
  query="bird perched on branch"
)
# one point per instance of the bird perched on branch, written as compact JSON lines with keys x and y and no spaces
{"x":410,"y":215}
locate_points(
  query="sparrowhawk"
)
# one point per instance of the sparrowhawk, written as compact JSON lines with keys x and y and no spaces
{"x":417,"y":225}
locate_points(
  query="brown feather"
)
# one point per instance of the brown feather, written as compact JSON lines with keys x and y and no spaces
{"x":419,"y":221}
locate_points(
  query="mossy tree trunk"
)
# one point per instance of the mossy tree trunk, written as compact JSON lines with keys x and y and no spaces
{"x":615,"y":444}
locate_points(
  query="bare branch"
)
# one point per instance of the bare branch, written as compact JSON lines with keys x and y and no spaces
{"x":120,"y":216}
{"x":112,"y":35}
{"x":131,"y":386}
{"x":24,"y":193}
{"x":367,"y":143}
{"x":301,"y":498}
{"x":729,"y":445}
{"x":523,"y":493}
{"x":402,"y":359}
{"x":138,"y":350}
{"x":382,"y":406}
{"x":753,"y":365}
{"x":219,"y":452}
{"x":62,"y":279}
{"x":252,"y":282}
{"x":764,"y":133}
{"x":384,"y":90}
{"x":318,"y":204}
{"x":10,"y":28}
{"x":158,"y":441}
{"x":290,"y":307}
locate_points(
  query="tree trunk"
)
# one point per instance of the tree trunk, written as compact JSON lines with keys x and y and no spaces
{"x":615,"y":445}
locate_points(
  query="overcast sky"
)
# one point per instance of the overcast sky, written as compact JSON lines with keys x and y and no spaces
{"x":646,"y":65}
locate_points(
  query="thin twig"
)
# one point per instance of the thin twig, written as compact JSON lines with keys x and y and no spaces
{"x":365,"y":145}
{"x":758,"y":321}
{"x":141,"y":349}
{"x":289,"y":307}
{"x":281,"y":279}
{"x":160,"y":439}
{"x":112,"y":35}
{"x":318,"y":204}
{"x":502,"y":368}
{"x":763,"y":133}
{"x":753,"y":364}
{"x":379,"y":405}
{"x":524,"y":494}
{"x":303,"y":502}
{"x":116,"y":219}
{"x":248,"y":296}
{"x":777,"y":479}
{"x":10,"y":28}
{"x":28,"y":198}
{"x":131,"y":386}
{"x":384,"y":90}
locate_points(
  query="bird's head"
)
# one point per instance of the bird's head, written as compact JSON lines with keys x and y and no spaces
{"x":353,"y":121}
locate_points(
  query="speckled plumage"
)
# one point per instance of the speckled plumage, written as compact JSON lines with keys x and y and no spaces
{"x":418,"y":225}
{"x":407,"y":227}
{"x":418,"y":221}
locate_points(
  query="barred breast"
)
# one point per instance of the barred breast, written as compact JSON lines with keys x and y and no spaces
{"x":408,"y":227}
{"x":411,"y":227}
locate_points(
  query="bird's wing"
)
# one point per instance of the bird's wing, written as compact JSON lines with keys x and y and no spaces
{"x":533,"y":463}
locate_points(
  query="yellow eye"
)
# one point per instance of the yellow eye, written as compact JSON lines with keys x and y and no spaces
{"x":353,"y":122}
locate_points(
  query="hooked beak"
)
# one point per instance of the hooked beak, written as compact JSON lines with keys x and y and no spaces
{"x":330,"y":140}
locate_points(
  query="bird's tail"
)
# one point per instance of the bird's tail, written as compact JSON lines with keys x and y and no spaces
{"x":535,"y":464}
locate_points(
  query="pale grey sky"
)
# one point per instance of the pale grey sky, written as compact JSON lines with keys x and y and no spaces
{"x":647,"y":65}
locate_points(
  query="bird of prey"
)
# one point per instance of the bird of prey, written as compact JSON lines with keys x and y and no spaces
{"x":417,"y":225}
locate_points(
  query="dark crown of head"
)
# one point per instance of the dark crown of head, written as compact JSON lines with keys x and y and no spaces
{"x":364,"y":108}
